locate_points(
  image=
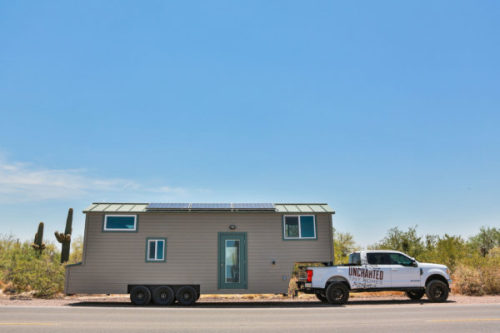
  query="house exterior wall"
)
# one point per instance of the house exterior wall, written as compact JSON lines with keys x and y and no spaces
{"x":113,"y":260}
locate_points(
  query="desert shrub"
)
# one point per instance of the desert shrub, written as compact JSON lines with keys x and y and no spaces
{"x":477,"y":281}
{"x":43,"y":276}
{"x":467,"y":281}
{"x":491,"y":272}
{"x":491,"y":280}
{"x":23,"y":269}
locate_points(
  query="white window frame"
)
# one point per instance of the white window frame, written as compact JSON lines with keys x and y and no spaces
{"x":300,"y":227}
{"x":156,"y":240}
{"x":105,"y":227}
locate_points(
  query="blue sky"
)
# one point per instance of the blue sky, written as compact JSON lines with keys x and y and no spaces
{"x":387,"y":110}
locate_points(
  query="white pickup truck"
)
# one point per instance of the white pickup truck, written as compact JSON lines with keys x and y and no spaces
{"x":377,"y":271}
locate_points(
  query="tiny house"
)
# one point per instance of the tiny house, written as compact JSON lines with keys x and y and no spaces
{"x":177,"y":251}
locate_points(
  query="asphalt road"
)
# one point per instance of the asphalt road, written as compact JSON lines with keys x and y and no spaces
{"x":253,"y":317}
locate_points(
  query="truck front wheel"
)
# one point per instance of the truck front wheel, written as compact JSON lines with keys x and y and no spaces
{"x":437,"y":291}
{"x":337,"y":293}
{"x":415,"y":294}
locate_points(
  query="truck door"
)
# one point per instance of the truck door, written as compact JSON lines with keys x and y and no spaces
{"x":378,"y":270}
{"x":403,"y":273}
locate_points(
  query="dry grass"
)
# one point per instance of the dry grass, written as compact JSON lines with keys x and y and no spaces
{"x":477,"y":281}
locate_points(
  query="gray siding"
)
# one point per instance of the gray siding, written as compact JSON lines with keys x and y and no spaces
{"x":112,"y":260}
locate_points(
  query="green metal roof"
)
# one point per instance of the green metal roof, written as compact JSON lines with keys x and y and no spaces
{"x":282,"y":208}
{"x":303,"y":208}
{"x":108,"y":207}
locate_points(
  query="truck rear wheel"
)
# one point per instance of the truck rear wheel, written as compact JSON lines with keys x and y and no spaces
{"x":337,"y":293}
{"x":140,"y":295}
{"x":163,"y":295}
{"x":415,"y":294}
{"x":186,"y":295}
{"x":321,"y":296}
{"x":437,"y":291}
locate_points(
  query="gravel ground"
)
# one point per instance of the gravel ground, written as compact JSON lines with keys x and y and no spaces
{"x":361,"y":298}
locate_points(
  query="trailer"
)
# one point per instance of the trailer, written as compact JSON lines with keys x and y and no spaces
{"x":167,"y":252}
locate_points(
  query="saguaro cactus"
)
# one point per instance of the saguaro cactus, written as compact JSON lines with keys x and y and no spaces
{"x":38,"y":243}
{"x":65,"y":238}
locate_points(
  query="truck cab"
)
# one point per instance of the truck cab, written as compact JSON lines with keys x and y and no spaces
{"x":377,"y":270}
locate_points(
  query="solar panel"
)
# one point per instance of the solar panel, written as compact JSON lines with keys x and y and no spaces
{"x":253,"y":206}
{"x":210,"y":206}
{"x":168,"y":206}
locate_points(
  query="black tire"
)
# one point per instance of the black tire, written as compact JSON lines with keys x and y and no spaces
{"x":337,"y":293}
{"x":163,"y":295}
{"x":140,"y":295}
{"x":415,"y":294}
{"x":321,"y":297}
{"x":186,"y":295}
{"x":437,"y":291}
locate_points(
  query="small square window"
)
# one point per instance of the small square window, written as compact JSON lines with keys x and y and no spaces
{"x":120,"y":223}
{"x":155,"y":249}
{"x":299,"y":227}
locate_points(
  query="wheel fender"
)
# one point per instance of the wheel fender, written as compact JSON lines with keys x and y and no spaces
{"x":434,"y":274}
{"x":336,"y":279}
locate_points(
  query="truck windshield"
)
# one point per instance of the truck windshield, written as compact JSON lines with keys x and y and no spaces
{"x":354,"y":259}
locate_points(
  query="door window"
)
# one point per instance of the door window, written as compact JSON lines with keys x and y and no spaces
{"x":378,"y":258}
{"x":399,"y":259}
{"x":232,"y":269}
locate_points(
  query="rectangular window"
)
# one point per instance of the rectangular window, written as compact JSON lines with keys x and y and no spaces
{"x":120,"y":222}
{"x":155,"y":248}
{"x":355,"y":258}
{"x":232,"y":261}
{"x":375,"y":258}
{"x":399,"y":259}
{"x":299,"y":227}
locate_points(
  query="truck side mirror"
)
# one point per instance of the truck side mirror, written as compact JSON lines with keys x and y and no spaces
{"x":414,"y":263}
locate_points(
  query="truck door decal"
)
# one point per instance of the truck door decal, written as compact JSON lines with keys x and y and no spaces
{"x":366,"y":277}
{"x":366,"y":273}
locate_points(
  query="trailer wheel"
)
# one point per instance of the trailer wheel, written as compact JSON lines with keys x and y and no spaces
{"x":337,"y":293}
{"x":437,"y":291}
{"x":321,"y":296}
{"x":163,"y":295}
{"x":186,"y":295}
{"x":140,"y":295}
{"x":415,"y":294}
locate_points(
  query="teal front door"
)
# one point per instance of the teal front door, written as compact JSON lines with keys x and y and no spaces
{"x":232,"y":260}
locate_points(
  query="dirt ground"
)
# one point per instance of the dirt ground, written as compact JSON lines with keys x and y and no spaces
{"x":360,"y":298}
